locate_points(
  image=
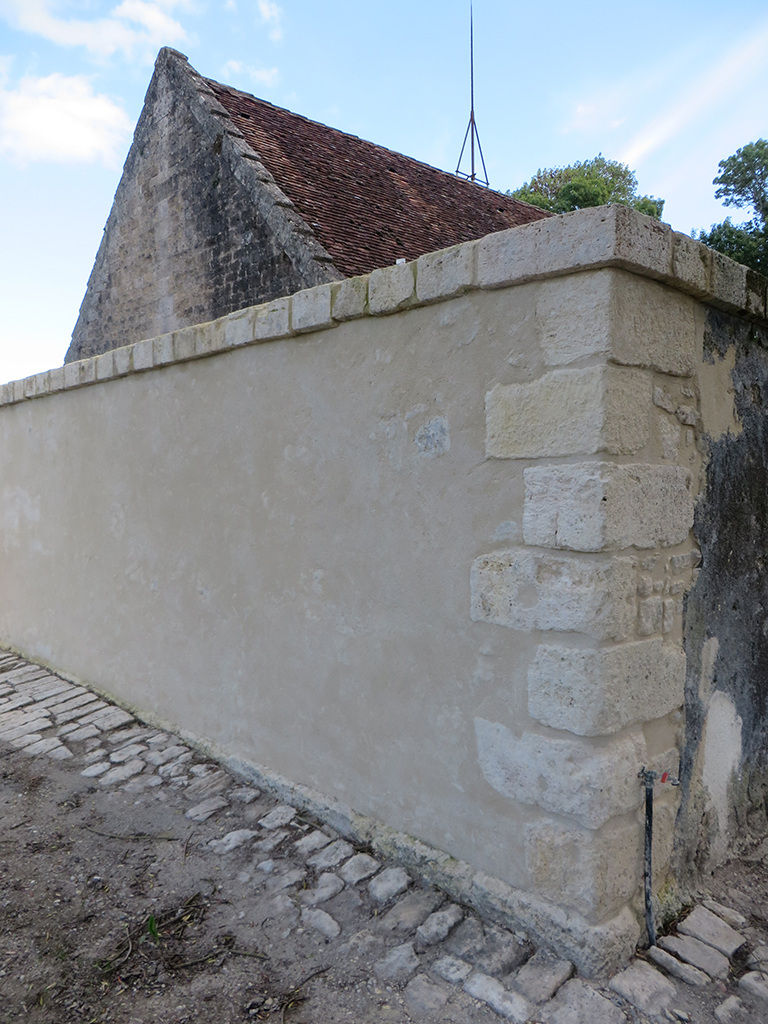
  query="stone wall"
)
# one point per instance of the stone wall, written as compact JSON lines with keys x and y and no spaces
{"x":198,"y":226}
{"x":419,"y":542}
{"x":725,"y":756}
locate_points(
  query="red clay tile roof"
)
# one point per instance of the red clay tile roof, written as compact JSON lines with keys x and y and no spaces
{"x":367,"y":205}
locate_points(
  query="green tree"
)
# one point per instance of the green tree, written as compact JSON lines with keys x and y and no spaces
{"x":743,"y":182}
{"x":743,"y":179}
{"x":586,"y":183}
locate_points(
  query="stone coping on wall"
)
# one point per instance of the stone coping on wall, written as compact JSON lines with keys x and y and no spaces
{"x":607,"y":236}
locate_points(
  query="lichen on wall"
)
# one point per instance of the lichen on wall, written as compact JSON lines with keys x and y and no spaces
{"x":725,"y":759}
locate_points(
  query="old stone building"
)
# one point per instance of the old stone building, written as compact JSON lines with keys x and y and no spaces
{"x":227,"y":201}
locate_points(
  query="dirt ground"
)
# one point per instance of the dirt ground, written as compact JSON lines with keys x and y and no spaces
{"x":113,"y":908}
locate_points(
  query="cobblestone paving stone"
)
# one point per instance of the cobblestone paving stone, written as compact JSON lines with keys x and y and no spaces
{"x":346,"y":936}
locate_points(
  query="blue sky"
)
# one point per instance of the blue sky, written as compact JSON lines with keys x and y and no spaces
{"x":670,"y":88}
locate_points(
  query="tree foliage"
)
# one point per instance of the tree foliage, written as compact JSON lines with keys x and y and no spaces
{"x":586,"y":183}
{"x":743,"y":179}
{"x":743,"y":182}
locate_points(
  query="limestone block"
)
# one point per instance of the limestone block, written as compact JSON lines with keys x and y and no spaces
{"x":273,"y":320}
{"x":391,"y":288}
{"x":591,"y":782}
{"x":162,"y":350}
{"x":42,"y":385}
{"x":595,"y":873}
{"x":691,"y":265}
{"x":6,"y":393}
{"x":238,"y":328}
{"x":664,"y":814}
{"x":18,"y":390}
{"x":644,"y":987}
{"x":578,"y":1003}
{"x":756,"y":984}
{"x":443,"y":274}
{"x":599,"y":692}
{"x":676,"y":968}
{"x":184,"y":343}
{"x":311,"y":309}
{"x":670,"y":439}
{"x":507,"y":1004}
{"x":756,"y":295}
{"x":642,"y":243}
{"x":349,"y":298}
{"x":410,"y":912}
{"x":205,"y":339}
{"x":55,"y":380}
{"x":650,"y":615}
{"x":653,"y":326}
{"x":142,"y":355}
{"x":738,"y":921}
{"x":570,"y":412}
{"x":609,"y":312}
{"x":525,"y":590}
{"x":542,"y":976}
{"x":594,"y":506}
{"x":707,"y":927}
{"x":122,"y":361}
{"x":104,"y":366}
{"x":598,"y":237}
{"x":573,"y":314}
{"x":729,"y":283}
{"x":700,"y":954}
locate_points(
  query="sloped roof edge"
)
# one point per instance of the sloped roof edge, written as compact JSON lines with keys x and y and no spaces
{"x":295,"y":235}
{"x":367,"y":205}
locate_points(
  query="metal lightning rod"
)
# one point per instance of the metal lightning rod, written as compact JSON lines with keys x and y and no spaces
{"x":472,"y":133}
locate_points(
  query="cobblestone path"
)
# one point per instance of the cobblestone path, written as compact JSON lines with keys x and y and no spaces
{"x":143,"y":882}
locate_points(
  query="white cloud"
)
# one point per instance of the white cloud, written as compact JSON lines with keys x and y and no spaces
{"x":711,"y":89}
{"x":271,"y":14}
{"x":268,"y":77}
{"x":61,"y":119}
{"x":133,"y":26}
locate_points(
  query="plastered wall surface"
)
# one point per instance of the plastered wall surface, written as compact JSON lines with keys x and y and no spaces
{"x":419,"y":541}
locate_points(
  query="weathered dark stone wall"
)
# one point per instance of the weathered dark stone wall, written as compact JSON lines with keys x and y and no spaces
{"x":726,"y":617}
{"x":197,"y":230}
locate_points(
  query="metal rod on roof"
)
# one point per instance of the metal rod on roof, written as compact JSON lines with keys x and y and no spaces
{"x":472,"y":131}
{"x":472,"y":84}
